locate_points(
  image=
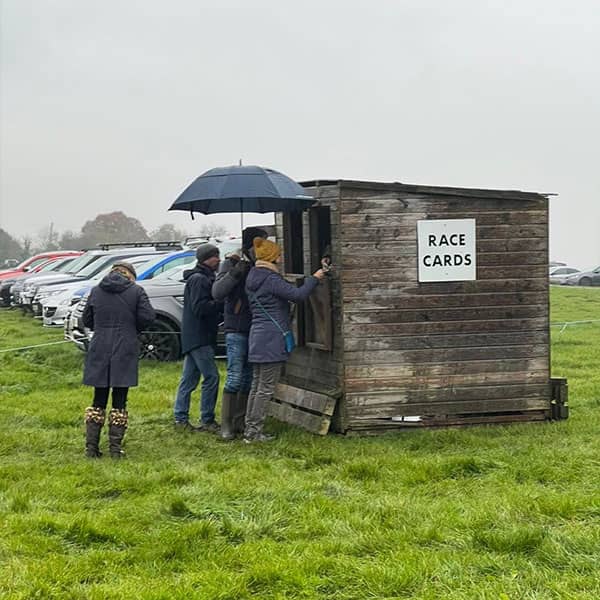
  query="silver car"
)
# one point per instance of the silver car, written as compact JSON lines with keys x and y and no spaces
{"x":559,"y":275}
{"x":161,"y":340}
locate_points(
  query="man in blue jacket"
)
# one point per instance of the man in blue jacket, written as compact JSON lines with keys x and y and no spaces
{"x":198,"y":341}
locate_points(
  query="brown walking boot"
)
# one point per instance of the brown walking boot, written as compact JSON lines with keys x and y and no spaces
{"x":94,"y":421}
{"x":117,"y":425}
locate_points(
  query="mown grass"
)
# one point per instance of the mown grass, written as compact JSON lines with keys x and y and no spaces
{"x":496,"y":512}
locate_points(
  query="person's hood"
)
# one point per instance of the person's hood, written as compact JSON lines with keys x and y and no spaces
{"x":198,"y":269}
{"x":115,"y":283}
{"x":257,"y":277}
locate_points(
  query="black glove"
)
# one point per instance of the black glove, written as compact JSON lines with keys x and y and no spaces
{"x":241,"y":269}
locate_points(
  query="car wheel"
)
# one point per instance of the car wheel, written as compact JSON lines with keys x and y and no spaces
{"x":160,"y":341}
{"x":585,"y":281}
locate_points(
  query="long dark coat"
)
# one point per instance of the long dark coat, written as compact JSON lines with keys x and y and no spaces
{"x":266,"y":343}
{"x":117,"y":309}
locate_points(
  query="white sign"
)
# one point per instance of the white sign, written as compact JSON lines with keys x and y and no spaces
{"x":446,"y":250}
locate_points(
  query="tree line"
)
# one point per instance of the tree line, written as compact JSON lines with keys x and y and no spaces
{"x":105,"y":228}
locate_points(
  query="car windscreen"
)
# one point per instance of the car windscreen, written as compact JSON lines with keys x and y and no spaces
{"x":174,"y":274}
{"x":81,"y":262}
{"x":95,"y":267}
{"x":107,"y":259}
{"x":137,"y":262}
{"x":34,"y":263}
{"x":55,"y":265}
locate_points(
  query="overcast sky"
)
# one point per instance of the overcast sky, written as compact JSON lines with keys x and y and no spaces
{"x":119,"y":104}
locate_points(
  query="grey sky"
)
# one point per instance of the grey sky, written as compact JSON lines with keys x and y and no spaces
{"x":118,"y":105}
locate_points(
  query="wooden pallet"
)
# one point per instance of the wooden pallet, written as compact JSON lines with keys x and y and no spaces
{"x":307,"y":409}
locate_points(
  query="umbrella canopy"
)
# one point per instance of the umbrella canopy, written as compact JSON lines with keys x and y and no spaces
{"x":242,"y":189}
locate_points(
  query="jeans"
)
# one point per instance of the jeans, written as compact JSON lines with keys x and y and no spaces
{"x":239,"y":370}
{"x":199,"y":362}
{"x":266,"y":377}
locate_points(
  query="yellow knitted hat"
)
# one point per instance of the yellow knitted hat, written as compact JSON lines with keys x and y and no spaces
{"x":266,"y":250}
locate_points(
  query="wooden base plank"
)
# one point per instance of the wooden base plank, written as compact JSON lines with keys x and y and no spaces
{"x":306,"y":399}
{"x":287,"y":413}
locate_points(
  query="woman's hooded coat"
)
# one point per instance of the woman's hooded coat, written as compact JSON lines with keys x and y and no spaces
{"x":116,"y":310}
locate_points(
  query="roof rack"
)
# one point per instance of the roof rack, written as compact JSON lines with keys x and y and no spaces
{"x":196,"y":240}
{"x":172,"y":245}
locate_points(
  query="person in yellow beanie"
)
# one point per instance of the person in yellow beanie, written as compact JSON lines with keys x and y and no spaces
{"x":269,"y":295}
{"x":266,"y":250}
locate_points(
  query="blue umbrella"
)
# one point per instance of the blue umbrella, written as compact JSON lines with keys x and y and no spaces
{"x":242,"y":189}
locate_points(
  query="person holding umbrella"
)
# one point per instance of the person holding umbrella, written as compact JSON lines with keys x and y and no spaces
{"x":198,"y":340}
{"x":269,"y":295}
{"x":229,"y":287}
{"x":116,"y":310}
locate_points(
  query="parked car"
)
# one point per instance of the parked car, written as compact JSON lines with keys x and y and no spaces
{"x":584,"y":278}
{"x":34,"y":261}
{"x":53,"y":265}
{"x":558,"y":275}
{"x":56,"y":307}
{"x":161,"y":340}
{"x":21,"y":291}
{"x":36,"y":293}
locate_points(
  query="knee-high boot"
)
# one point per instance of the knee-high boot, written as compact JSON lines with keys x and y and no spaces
{"x":239,"y":417}
{"x":117,"y":425}
{"x":227,"y":416}
{"x":94,"y":421}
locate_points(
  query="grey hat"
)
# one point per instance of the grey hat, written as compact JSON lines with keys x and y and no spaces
{"x":206,"y":251}
{"x":122,"y":264}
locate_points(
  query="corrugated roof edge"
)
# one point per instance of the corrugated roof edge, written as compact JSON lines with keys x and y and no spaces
{"x":427,"y":189}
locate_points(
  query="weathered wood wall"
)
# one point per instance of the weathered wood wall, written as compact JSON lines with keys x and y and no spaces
{"x":311,"y":368}
{"x":443,"y":350}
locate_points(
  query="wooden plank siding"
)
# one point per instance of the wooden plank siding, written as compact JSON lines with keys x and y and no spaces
{"x":309,"y":368}
{"x":453,"y":353}
{"x":443,"y":350}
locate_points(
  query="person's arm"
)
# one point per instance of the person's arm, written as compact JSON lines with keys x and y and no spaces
{"x":200,"y":297}
{"x":282,"y":289}
{"x":144,"y":314}
{"x":88,"y":313}
{"x":231,"y":275}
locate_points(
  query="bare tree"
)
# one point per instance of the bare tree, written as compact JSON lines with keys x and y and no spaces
{"x":47,"y":239}
{"x":211,"y":229}
{"x":167,"y":233}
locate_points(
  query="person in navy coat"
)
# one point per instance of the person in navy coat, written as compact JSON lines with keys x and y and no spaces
{"x":117,"y":310}
{"x":269,"y":295}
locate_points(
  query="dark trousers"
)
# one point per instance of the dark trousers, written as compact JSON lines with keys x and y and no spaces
{"x":119,"y":397}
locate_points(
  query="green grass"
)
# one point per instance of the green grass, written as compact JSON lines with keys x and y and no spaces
{"x":490,"y":513}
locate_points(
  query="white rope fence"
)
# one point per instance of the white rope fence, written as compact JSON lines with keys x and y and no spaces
{"x":34,"y":346}
{"x":563,"y":326}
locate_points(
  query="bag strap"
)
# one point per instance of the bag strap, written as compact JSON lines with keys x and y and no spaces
{"x":255,"y":298}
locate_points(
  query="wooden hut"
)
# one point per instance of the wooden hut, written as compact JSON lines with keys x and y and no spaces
{"x":436,"y":313}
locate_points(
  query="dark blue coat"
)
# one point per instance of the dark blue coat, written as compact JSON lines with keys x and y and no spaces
{"x":201,"y":314}
{"x":229,"y":287}
{"x":116,"y":310}
{"x":266,"y":343}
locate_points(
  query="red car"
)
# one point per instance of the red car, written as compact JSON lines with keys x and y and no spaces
{"x":35,"y":261}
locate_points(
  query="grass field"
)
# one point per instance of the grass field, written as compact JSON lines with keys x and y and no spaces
{"x":498,"y":512}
